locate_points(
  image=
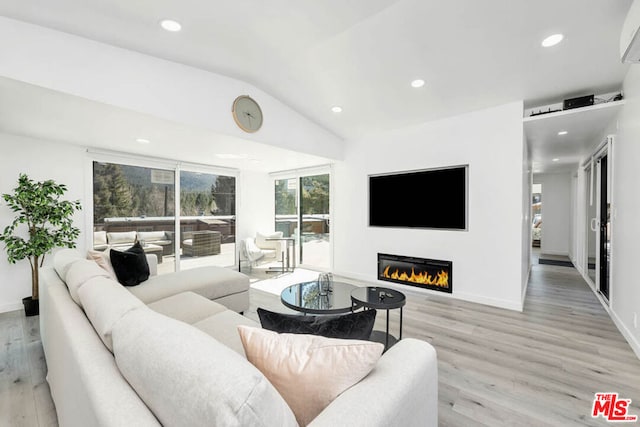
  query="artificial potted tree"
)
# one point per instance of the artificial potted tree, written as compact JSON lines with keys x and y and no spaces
{"x":49,"y":224}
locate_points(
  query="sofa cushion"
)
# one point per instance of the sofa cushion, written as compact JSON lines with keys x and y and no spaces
{"x":63,"y":259}
{"x":309,"y":371}
{"x":187,"y":307}
{"x":80,"y":272}
{"x":151,"y":236}
{"x":189,"y":379}
{"x":122,"y":237}
{"x":211,"y":282}
{"x":99,"y":238}
{"x":262,"y":242}
{"x":103,"y":260}
{"x":355,"y":326}
{"x":223,"y":327}
{"x":105,"y":302}
{"x":131,"y":265}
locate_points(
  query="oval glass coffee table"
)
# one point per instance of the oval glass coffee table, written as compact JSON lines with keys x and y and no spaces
{"x":380,"y":298}
{"x":308,"y":297}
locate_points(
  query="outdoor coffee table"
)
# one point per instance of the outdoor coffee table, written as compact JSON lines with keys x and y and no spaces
{"x":309,"y":298}
{"x":156,"y":250}
{"x":380,"y":298}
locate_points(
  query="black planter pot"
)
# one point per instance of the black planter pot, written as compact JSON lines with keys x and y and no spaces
{"x":31,"y":306}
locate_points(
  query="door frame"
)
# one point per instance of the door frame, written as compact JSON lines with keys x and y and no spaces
{"x":604,"y":149}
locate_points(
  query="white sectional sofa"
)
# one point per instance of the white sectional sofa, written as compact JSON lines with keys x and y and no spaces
{"x":165,"y":354}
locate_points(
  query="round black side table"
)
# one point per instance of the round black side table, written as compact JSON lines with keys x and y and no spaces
{"x":380,"y":298}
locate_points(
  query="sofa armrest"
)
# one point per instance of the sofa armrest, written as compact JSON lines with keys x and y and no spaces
{"x":152,"y":260}
{"x":402,"y":390}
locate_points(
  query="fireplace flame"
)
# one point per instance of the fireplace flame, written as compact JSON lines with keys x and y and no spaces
{"x":424,"y":278}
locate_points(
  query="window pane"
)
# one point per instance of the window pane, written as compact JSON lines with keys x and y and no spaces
{"x":207,"y":219}
{"x":286,"y":193}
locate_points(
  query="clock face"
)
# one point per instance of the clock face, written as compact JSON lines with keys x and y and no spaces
{"x":247,"y":113}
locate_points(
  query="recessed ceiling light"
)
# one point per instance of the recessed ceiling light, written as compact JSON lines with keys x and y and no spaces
{"x":417,"y":83}
{"x":143,"y":141}
{"x":336,"y":109}
{"x":555,"y":160}
{"x":170,"y":25}
{"x":552,"y":40}
{"x":563,"y":132}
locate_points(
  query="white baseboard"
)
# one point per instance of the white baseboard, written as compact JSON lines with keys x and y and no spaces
{"x":526,"y":286}
{"x":633,"y":342}
{"x":495,"y":302}
{"x":13,"y":306}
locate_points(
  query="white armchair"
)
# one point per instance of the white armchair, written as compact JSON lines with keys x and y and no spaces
{"x":260,"y":248}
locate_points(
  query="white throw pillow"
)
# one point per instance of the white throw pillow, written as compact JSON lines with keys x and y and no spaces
{"x":122,"y":237}
{"x":309,"y":371}
{"x":150,"y":236}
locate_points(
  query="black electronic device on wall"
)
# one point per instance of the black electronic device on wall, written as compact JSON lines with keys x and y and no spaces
{"x":581,"y":101}
{"x":428,"y":198}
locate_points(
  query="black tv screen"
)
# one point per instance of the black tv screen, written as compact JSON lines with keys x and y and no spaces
{"x":433,"y":198}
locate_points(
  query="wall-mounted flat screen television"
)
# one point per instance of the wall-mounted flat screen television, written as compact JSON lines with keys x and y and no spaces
{"x":429,"y":198}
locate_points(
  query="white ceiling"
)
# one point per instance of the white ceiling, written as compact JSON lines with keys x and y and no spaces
{"x":362,"y":54}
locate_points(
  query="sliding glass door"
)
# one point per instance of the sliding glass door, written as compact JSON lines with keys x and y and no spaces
{"x":133,"y":203}
{"x":302,"y":211}
{"x":314,"y":216}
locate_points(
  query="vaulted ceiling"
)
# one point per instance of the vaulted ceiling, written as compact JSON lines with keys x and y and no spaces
{"x":362,"y":55}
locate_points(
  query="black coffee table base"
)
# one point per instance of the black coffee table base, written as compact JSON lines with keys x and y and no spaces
{"x":381,"y":299}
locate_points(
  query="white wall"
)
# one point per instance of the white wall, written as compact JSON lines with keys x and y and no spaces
{"x":257,"y":204}
{"x":487,"y":259}
{"x":573,"y":203}
{"x":556,"y":212}
{"x":40,"y":160}
{"x":625,"y":291}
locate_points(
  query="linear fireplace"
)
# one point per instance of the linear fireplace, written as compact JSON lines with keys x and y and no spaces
{"x":420,"y":272}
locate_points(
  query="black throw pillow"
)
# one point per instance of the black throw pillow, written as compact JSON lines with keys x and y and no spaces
{"x":355,"y":326}
{"x":131,"y":266}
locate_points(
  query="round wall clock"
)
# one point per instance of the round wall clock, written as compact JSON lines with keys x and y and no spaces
{"x":247,"y":113}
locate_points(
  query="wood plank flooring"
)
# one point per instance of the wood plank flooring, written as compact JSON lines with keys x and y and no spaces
{"x":25,"y":399}
{"x":496,"y":367}
{"x":499,"y":367}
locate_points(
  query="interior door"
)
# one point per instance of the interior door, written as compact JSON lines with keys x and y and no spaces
{"x":591,"y":209}
{"x":604,"y":220}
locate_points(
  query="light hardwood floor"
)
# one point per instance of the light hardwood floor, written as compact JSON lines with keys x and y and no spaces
{"x":496,"y":367}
